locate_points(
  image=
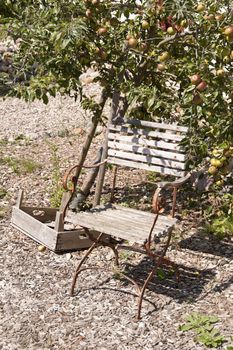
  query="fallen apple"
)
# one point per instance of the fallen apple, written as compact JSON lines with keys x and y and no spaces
{"x":216,"y":162}
{"x":197,"y":100}
{"x":102,"y":30}
{"x":41,"y":248}
{"x":88,"y":13}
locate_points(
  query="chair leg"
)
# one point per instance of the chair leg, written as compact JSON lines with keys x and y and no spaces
{"x":116,"y":255}
{"x":78,"y":269}
{"x":142,"y":292}
{"x":167,"y":243}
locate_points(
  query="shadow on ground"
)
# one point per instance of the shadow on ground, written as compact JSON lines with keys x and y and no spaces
{"x":189,"y":287}
{"x":208,"y":244}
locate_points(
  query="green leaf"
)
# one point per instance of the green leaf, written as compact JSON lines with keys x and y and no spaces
{"x":65,"y":43}
{"x":185,"y":327}
{"x":45,"y":98}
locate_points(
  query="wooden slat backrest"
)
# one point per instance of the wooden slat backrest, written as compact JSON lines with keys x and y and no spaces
{"x":148,"y":145}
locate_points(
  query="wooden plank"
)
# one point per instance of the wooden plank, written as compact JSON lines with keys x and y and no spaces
{"x":120,"y":223}
{"x":137,"y":220}
{"x":147,"y":214}
{"x":155,"y":125}
{"x":33,"y":228}
{"x":140,"y":140}
{"x":134,"y":212}
{"x":146,"y":156}
{"x":114,"y":227}
{"x":156,"y":134}
{"x":43,"y":234}
{"x":44,"y":214}
{"x":19,"y":199}
{"x":148,"y":167}
{"x":73,"y":240}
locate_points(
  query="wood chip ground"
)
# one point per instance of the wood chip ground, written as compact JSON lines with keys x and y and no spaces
{"x":36,"y":309}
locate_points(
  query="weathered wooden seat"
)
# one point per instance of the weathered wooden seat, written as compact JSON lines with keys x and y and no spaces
{"x":125,"y":223}
{"x":141,"y":145}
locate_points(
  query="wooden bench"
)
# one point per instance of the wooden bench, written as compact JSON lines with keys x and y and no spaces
{"x":141,"y":145}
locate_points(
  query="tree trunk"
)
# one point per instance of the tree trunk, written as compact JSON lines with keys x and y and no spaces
{"x":114,"y":115}
{"x":82,"y":194}
{"x":67,"y":196}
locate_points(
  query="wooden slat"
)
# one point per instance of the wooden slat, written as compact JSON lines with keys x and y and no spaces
{"x":144,"y":166}
{"x":93,"y":222}
{"x":155,"y":125}
{"x":33,"y":228}
{"x":146,"y":214}
{"x":137,"y":220}
{"x":140,"y":140}
{"x":134,"y":212}
{"x":122,"y":222}
{"x":146,"y":159}
{"x":43,"y":234}
{"x":148,"y":151}
{"x":117,"y":226}
{"x":157,"y":134}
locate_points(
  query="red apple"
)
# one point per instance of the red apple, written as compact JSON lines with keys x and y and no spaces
{"x":143,"y":47}
{"x":219,"y":17}
{"x":161,"y":67}
{"x":202,"y":86}
{"x":197,"y":100}
{"x":195,"y":79}
{"x":228,"y":31}
{"x":102,"y":30}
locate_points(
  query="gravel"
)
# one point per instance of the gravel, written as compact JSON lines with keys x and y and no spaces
{"x":36,"y":309}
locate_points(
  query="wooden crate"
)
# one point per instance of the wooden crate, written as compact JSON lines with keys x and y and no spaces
{"x":45,"y":226}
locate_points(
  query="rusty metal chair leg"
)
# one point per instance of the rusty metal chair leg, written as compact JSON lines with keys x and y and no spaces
{"x":116,"y":255}
{"x":95,"y":244}
{"x":167,"y":244}
{"x":147,"y":281}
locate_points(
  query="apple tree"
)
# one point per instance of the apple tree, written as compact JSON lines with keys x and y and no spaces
{"x":165,"y":60}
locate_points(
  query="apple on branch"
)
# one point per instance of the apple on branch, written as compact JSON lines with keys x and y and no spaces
{"x":195,"y":79}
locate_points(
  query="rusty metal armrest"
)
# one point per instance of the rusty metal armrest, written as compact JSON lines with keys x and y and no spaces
{"x":173,"y":185}
{"x":176,"y":183}
{"x":69,"y":184}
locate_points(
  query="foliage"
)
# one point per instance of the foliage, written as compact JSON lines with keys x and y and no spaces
{"x":207,"y":334}
{"x":220,"y":214}
{"x":171,"y":60}
{"x":59,"y":40}
{"x":20,"y":166}
{"x":3,"y":192}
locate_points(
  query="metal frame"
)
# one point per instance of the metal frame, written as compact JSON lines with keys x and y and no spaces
{"x":157,"y":205}
{"x":158,"y":260}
